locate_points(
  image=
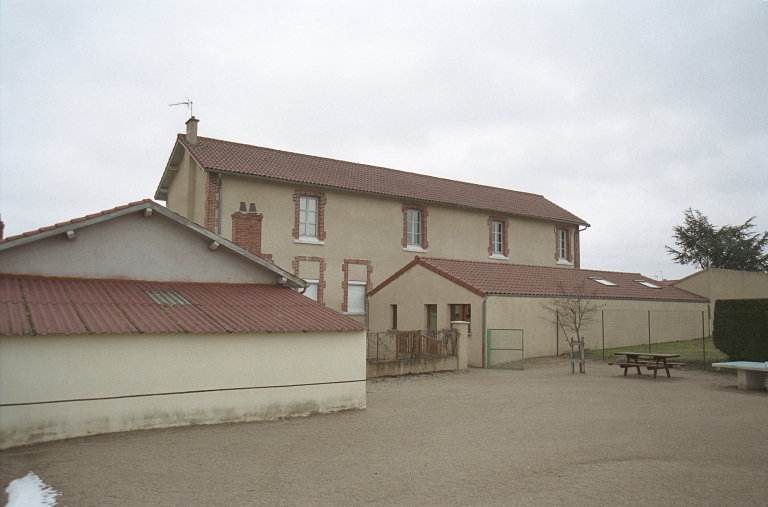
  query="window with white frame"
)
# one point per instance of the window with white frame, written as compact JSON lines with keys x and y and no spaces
{"x":308,"y":217}
{"x":311,"y":290}
{"x":356,"y":297}
{"x":414,"y":227}
{"x":562,"y":244}
{"x":497,"y":237}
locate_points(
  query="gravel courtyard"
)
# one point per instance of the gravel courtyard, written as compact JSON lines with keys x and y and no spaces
{"x":537,"y":437}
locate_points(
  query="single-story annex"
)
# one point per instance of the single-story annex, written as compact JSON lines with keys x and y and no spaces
{"x":137,"y":318}
{"x":430,"y":293}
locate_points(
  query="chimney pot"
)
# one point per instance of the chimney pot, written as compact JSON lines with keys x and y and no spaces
{"x":192,"y":131}
{"x":252,"y":208}
{"x":243,"y":209}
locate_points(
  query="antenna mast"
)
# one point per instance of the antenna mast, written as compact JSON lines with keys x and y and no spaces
{"x":187,"y":103}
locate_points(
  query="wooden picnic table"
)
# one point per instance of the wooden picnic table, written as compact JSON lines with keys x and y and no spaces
{"x":649,"y":360}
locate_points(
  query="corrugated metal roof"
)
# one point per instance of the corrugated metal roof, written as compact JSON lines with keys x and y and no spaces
{"x":46,"y":305}
{"x":514,"y":279}
{"x":236,"y":158}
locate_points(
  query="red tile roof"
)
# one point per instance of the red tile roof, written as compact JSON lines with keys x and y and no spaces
{"x":225,"y":156}
{"x":514,"y":279}
{"x":45,"y":305}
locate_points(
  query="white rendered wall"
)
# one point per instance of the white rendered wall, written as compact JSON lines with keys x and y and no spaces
{"x":54,"y":387}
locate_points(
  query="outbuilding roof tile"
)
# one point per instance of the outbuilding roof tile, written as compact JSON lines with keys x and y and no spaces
{"x":521,"y":280}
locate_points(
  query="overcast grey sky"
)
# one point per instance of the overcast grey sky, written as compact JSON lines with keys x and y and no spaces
{"x":624,"y":113}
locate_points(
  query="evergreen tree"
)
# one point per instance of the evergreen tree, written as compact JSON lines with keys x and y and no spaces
{"x":703,"y":245}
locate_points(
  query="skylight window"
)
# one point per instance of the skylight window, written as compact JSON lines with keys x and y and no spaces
{"x":603,"y":281}
{"x":167,"y":298}
{"x":648,"y":284}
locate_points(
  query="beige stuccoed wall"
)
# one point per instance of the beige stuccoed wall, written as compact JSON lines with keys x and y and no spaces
{"x":368,"y":227}
{"x":82,"y":385}
{"x":626,"y":321}
{"x":726,"y":284}
{"x":135,"y":247}
{"x":178,"y":193}
{"x":417,"y":288}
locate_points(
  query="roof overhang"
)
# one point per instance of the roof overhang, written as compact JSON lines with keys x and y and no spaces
{"x":171,"y":169}
{"x":147,"y":208}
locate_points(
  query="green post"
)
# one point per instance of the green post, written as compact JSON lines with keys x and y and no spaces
{"x":602,"y":323}
{"x":649,"y":331}
{"x":703,"y":339}
{"x":488,"y":350}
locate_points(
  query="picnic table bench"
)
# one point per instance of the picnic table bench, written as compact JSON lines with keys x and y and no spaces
{"x":750,"y":375}
{"x":648,"y":360}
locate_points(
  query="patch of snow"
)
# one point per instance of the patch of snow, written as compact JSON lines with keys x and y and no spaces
{"x":30,"y":491}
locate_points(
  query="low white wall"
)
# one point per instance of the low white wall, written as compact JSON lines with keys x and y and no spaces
{"x":54,"y":387}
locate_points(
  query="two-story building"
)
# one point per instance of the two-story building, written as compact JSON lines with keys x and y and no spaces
{"x":345,"y":227}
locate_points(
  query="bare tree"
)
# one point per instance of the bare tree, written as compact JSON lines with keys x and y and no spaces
{"x":572,"y":310}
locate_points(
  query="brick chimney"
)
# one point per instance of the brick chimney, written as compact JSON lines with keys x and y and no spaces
{"x":246,"y":229}
{"x":2,"y":228}
{"x":192,"y":131}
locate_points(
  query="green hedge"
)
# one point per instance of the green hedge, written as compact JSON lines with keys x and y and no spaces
{"x":741,"y":329}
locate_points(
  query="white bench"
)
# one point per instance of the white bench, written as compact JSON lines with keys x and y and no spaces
{"x":750,"y":375}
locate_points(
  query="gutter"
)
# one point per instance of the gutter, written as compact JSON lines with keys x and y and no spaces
{"x":221,"y":205}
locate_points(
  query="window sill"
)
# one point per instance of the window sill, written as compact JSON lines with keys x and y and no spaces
{"x":500,"y":257}
{"x":353,"y":314}
{"x":564,"y":262}
{"x":309,"y":240}
{"x":414,"y":248}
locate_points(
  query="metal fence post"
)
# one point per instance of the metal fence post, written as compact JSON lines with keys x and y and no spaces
{"x":703,"y":340}
{"x":649,"y":331}
{"x":602,"y":323}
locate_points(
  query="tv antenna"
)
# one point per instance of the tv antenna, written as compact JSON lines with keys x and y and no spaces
{"x":187,"y":103}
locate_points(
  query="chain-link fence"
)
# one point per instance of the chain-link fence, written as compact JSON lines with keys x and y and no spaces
{"x":505,"y":349}
{"x":670,"y":332}
{"x":393,"y":345}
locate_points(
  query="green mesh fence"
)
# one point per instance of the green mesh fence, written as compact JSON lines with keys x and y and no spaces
{"x":505,"y":349}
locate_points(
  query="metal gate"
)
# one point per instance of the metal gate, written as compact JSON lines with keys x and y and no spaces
{"x":505,"y":349}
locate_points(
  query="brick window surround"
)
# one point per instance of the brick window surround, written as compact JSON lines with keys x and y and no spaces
{"x":568,"y":249}
{"x":321,"y":282}
{"x":423,"y":209}
{"x":345,"y":283}
{"x":504,"y":238}
{"x":297,"y":195}
{"x":211,"y":221}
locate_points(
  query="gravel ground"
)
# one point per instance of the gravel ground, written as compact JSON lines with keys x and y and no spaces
{"x":539,"y":437}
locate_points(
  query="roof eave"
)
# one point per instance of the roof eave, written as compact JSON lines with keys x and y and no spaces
{"x":392,"y":196}
{"x":171,"y":169}
{"x":291,"y":281}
